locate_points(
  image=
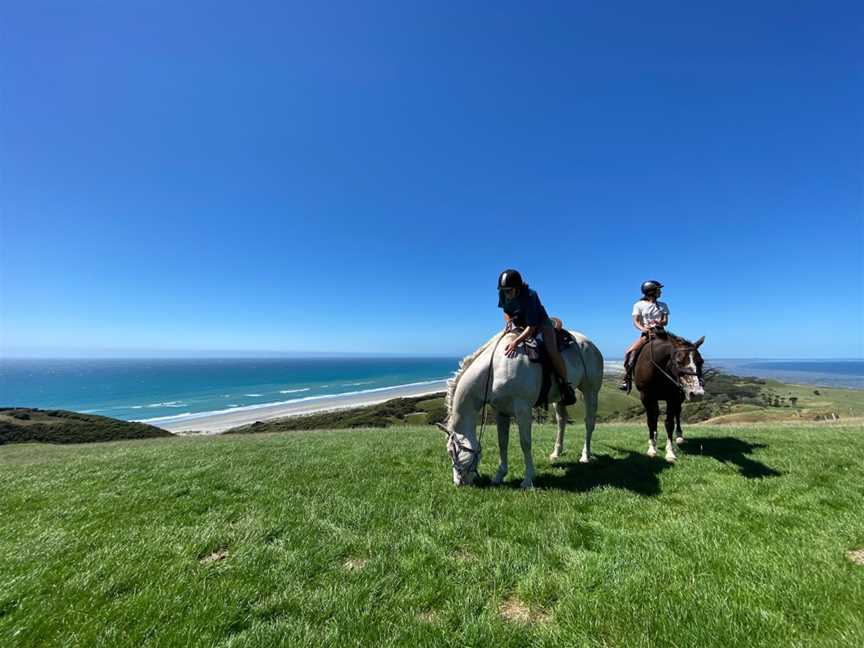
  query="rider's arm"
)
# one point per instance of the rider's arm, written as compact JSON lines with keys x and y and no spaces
{"x":638,"y":324}
{"x":524,"y":335}
{"x":664,"y":320}
{"x":510,"y":348}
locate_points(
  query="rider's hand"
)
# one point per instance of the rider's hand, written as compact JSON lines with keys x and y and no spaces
{"x":510,"y":349}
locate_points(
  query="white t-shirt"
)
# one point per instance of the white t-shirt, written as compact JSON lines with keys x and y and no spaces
{"x":650,"y":313}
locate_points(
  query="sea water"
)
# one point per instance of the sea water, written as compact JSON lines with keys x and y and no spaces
{"x":848,"y":374}
{"x":141,"y":389}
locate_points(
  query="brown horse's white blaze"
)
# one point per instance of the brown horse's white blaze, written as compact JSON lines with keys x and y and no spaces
{"x":690,"y":382}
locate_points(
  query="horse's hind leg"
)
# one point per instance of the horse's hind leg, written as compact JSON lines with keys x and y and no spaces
{"x":590,"y":420}
{"x":561,"y":418}
{"x":679,"y":433}
{"x":673,"y":409}
{"x":652,"y":414}
{"x":503,"y":423}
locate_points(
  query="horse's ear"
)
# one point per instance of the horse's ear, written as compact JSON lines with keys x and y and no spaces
{"x":699,"y":342}
{"x":443,"y":428}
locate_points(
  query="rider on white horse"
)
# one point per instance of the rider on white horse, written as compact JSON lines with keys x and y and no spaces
{"x":522,"y":308}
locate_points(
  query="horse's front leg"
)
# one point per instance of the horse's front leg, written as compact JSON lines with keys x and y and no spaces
{"x":679,"y":433}
{"x":652,"y":414}
{"x":503,"y":422}
{"x":523,"y":418}
{"x":561,"y":419}
{"x":673,"y":409}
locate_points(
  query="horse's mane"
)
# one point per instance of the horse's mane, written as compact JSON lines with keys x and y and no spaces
{"x":466,"y":362}
{"x":678,"y":342}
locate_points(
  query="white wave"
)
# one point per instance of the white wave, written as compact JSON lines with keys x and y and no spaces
{"x":357,"y":384}
{"x":291,"y":401}
{"x":253,"y":395}
{"x":166,"y":404}
{"x":293,"y":391}
{"x":137,"y":407}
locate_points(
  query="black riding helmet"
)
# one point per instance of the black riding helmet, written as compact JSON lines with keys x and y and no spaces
{"x":651,"y":286}
{"x":510,"y":279}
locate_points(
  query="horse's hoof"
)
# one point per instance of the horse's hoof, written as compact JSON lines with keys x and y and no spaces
{"x":679,"y":440}
{"x":671,"y":458}
{"x":652,"y":452}
{"x":556,"y":454}
{"x":584,"y":459}
{"x":527,"y":484}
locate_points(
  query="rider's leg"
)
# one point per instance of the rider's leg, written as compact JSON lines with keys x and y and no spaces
{"x":568,"y":396}
{"x":632,"y":350}
{"x":551,"y":343}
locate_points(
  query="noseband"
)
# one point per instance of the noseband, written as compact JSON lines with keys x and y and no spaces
{"x":454,"y":446}
{"x":677,"y":370}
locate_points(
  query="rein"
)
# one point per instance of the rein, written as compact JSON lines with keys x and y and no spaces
{"x":682,"y":372}
{"x":476,"y":451}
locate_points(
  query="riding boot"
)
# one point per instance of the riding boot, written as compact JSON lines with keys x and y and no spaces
{"x":627,"y":382}
{"x":568,"y":394}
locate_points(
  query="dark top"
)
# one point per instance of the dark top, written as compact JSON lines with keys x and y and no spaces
{"x":524,"y":309}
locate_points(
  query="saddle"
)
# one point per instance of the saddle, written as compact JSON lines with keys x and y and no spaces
{"x":536,"y":352}
{"x":651,"y":335}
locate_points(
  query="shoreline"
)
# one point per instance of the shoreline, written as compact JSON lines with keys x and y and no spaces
{"x":218,"y":422}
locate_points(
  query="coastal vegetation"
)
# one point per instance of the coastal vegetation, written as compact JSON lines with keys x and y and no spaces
{"x":728,"y":399}
{"x":333,"y":538}
{"x":28,"y":425}
{"x":398,"y":411}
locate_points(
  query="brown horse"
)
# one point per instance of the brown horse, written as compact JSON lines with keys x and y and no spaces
{"x":668,"y":369}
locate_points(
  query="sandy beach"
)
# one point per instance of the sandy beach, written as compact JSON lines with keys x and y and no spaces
{"x":216,"y":422}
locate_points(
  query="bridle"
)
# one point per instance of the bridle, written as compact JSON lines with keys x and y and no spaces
{"x":454,"y":446}
{"x":679,"y":371}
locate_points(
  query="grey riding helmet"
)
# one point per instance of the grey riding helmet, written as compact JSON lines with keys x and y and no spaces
{"x":651,"y":286}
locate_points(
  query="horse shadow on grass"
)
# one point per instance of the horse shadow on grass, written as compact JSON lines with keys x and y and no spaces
{"x":730,"y":450}
{"x":634,"y":472}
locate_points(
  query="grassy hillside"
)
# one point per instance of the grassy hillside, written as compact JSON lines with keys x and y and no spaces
{"x":23,"y":425}
{"x":338,"y":538}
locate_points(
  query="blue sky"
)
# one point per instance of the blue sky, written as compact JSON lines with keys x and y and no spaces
{"x":186,"y":177}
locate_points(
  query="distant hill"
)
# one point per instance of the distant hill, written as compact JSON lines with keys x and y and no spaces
{"x":25,"y":425}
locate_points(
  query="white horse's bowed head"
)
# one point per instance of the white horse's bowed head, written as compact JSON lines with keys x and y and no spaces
{"x":464,"y":454}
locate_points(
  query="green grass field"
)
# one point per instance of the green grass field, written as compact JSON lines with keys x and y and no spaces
{"x":350,"y":538}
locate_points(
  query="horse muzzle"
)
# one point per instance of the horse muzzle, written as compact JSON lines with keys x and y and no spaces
{"x":692,"y":395}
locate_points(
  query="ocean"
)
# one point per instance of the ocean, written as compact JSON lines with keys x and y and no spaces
{"x":147,"y":390}
{"x":848,"y":374}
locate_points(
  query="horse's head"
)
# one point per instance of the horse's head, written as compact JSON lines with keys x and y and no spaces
{"x":464,"y":452}
{"x":686,"y":367}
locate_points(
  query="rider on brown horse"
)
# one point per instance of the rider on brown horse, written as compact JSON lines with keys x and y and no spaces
{"x":650,"y":317}
{"x":522,"y":308}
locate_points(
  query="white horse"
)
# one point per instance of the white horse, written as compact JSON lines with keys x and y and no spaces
{"x":512,"y":386}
